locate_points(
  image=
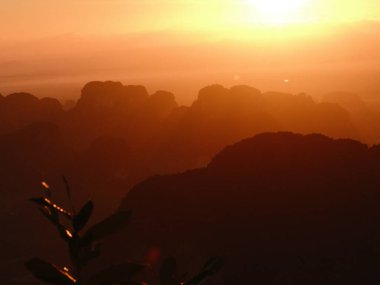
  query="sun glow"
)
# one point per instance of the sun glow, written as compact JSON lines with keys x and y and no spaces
{"x":279,"y":12}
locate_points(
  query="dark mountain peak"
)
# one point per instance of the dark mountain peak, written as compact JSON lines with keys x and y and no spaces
{"x":212,"y":100}
{"x":162,"y":95}
{"x":100,"y":94}
{"x":287,"y":152}
{"x":243,"y":99}
{"x":281,"y":207}
{"x":212,"y":94}
{"x":162,"y":98}
{"x":136,"y":93}
{"x":18,"y":110}
{"x":375,"y":150}
{"x":51,"y":101}
{"x":107,"y":95}
{"x":51,"y":105}
{"x":99,"y":87}
{"x":21,"y":99}
{"x":244,"y":92}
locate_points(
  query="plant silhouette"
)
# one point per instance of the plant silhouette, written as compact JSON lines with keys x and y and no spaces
{"x":84,"y":246}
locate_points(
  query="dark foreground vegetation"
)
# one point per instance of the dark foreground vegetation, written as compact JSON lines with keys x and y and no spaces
{"x":85,"y":246}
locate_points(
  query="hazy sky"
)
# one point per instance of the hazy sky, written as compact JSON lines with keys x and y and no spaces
{"x":24,"y":19}
{"x":48,"y":46}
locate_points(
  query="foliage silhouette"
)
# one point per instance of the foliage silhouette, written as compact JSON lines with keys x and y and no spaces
{"x":85,"y":246}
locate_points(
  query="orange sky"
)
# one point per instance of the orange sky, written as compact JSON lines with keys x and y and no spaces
{"x":24,"y":19}
{"x":50,"y":46}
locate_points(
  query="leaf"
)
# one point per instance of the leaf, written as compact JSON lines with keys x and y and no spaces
{"x":106,"y":227}
{"x":49,"y":273}
{"x":68,"y":192}
{"x":51,"y":215}
{"x":116,"y":273}
{"x":88,"y":253}
{"x":211,"y":267}
{"x":66,"y":234}
{"x":168,"y":272}
{"x":80,"y":220}
{"x":47,"y":202}
{"x":81,"y":254}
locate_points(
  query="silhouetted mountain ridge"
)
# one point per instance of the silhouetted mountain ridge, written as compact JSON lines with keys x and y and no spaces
{"x":116,"y":136}
{"x":18,"y":110}
{"x":364,"y":116}
{"x":281,"y":208}
{"x":287,"y":152}
{"x":166,"y":136}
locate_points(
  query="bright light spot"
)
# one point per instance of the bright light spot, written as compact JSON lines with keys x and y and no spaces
{"x":286,"y":81}
{"x":279,"y":12}
{"x":45,"y":185}
{"x":69,"y":234}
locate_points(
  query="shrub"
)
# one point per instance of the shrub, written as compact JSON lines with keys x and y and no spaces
{"x":84,"y":246}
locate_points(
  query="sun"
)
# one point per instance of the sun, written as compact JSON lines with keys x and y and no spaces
{"x":279,"y":12}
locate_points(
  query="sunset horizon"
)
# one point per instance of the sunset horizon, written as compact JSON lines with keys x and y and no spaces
{"x":236,"y":141}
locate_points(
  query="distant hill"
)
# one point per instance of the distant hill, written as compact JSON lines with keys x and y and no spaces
{"x":19,"y":110}
{"x":364,"y":116}
{"x":281,"y":208}
{"x":116,"y":136}
{"x":222,"y":116}
{"x":168,"y":138}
